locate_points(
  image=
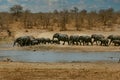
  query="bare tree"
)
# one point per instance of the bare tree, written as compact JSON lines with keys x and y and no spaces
{"x":106,"y":15}
{"x":64,"y":19}
{"x":92,"y":19}
{"x":82,"y":18}
{"x":26,"y":16}
{"x":16,"y":10}
{"x":76,"y":18}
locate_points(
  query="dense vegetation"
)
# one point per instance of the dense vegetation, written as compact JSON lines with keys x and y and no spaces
{"x":64,"y":20}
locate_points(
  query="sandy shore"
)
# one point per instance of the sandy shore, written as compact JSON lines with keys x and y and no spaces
{"x":74,"y":48}
{"x":59,"y":71}
{"x":66,"y":48}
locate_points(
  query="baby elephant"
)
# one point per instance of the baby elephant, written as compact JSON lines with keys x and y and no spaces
{"x":116,"y":42}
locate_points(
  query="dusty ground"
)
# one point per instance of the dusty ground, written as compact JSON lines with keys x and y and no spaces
{"x":48,"y":34}
{"x":64,"y":48}
{"x":59,"y":71}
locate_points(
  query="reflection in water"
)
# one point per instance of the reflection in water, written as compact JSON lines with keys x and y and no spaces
{"x":45,"y":56}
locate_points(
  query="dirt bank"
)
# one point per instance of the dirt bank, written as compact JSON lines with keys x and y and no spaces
{"x":59,"y":71}
{"x":65,"y":48}
{"x":74,"y":48}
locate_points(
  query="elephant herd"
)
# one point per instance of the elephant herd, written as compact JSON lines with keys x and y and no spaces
{"x":94,"y":39}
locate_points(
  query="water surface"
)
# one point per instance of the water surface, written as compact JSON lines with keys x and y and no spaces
{"x":51,"y":56}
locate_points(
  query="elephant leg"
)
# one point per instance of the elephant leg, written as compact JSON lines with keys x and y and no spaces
{"x":68,"y":42}
{"x":114,"y":44}
{"x":80,"y":42}
{"x":73,"y":43}
{"x":83,"y":43}
{"x":106,"y":44}
{"x":76,"y":42}
{"x":91,"y":43}
{"x":64,"y":43}
{"x":59,"y":41}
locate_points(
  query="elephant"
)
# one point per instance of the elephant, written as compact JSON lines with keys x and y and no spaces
{"x":38,"y":40}
{"x":113,"y":37}
{"x":56,"y":35}
{"x":18,"y":41}
{"x":74,"y":39}
{"x":81,"y":39}
{"x":34,"y":42}
{"x":61,"y":37}
{"x":96,"y":38}
{"x":41,"y":40}
{"x":55,"y":42}
{"x":116,"y":42}
{"x":47,"y":40}
{"x":87,"y":40}
{"x":104,"y":42}
{"x":24,"y":41}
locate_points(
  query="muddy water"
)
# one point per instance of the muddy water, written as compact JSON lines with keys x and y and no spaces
{"x":52,"y":56}
{"x":45,"y":56}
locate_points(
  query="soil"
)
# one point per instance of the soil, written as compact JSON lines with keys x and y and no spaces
{"x":59,"y":71}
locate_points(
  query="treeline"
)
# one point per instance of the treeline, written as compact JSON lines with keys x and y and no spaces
{"x":60,"y":19}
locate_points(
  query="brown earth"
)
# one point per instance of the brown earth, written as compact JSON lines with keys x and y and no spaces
{"x":59,"y":71}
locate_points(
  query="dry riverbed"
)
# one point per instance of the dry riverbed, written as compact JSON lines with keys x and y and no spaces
{"x":59,"y":71}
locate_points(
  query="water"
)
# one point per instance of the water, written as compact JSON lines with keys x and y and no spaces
{"x":51,"y":56}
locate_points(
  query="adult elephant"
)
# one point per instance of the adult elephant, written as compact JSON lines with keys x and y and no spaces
{"x":104,"y":42}
{"x":81,"y":39}
{"x":61,"y":37}
{"x":97,"y":37}
{"x":87,"y":40}
{"x":56,"y":35}
{"x":74,"y":39}
{"x":113,"y":37}
{"x":24,"y":41}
